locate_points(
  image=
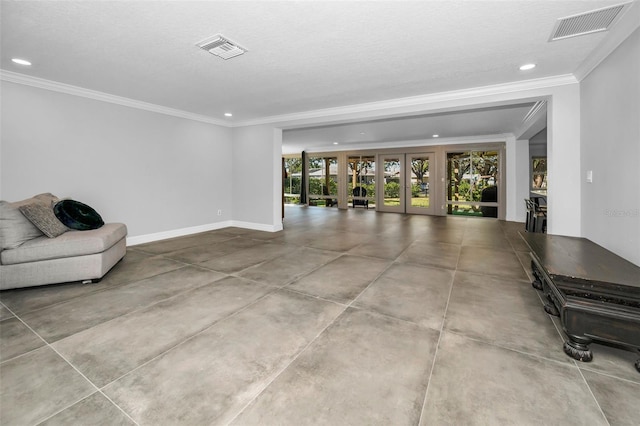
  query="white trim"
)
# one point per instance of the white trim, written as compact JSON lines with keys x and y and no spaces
{"x":158,"y":236}
{"x":257,"y":226}
{"x":148,"y":238}
{"x":41,"y":83}
{"x":501,"y":137}
{"x":453,"y":95}
{"x":412,"y":101}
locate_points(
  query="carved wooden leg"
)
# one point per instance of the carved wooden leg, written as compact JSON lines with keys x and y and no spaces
{"x":550,"y":307}
{"x":537,"y":281}
{"x":537,"y":284}
{"x":578,"y":349}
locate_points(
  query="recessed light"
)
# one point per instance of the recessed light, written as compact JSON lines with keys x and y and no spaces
{"x":436,"y":136}
{"x":335,"y":143}
{"x":21,"y":62}
{"x":362,"y":133}
{"x":228,"y":114}
{"x":526,"y":67}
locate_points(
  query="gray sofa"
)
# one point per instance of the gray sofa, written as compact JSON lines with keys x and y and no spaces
{"x":28,"y":257}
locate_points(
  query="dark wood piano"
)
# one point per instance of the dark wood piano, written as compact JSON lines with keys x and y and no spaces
{"x":595,"y":293}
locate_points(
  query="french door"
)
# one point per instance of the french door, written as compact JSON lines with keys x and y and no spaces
{"x":406,"y":183}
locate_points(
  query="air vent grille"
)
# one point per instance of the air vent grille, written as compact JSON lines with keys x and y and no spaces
{"x":587,"y":23}
{"x":221,"y":46}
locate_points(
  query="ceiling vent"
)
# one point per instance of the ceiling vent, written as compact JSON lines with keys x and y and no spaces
{"x":588,"y":23}
{"x":220,"y":46}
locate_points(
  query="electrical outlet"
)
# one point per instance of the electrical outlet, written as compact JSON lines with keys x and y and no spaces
{"x":219,"y":212}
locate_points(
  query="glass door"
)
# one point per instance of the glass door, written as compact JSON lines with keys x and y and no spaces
{"x":417,"y":184}
{"x":472,"y":183}
{"x":391,"y":178}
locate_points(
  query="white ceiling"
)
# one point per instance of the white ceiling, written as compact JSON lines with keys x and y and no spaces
{"x":303,"y":56}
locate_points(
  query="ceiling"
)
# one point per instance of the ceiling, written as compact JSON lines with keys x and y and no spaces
{"x":302,"y":55}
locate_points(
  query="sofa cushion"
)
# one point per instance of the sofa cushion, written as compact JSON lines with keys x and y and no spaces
{"x":69,"y":244}
{"x":42,"y":217}
{"x":15,"y":228}
{"x":76,"y":215}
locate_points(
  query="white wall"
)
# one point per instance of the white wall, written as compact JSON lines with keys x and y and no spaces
{"x":610,"y":128}
{"x":154,"y":172}
{"x":257,"y":177}
{"x":517,"y":152}
{"x":563,"y":162}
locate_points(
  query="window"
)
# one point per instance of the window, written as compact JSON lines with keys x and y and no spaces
{"x":361,"y":172}
{"x":292,"y":180}
{"x":472,"y":179}
{"x":323,"y":181}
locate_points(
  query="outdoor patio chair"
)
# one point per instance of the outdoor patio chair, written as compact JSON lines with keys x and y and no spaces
{"x":358,"y":191}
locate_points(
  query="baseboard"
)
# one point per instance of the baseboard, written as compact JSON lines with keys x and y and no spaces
{"x":149,"y":238}
{"x":257,"y":226}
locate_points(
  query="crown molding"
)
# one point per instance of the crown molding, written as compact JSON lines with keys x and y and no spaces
{"x":55,"y":86}
{"x":627,"y":24}
{"x":413,"y":101}
{"x":496,"y":138}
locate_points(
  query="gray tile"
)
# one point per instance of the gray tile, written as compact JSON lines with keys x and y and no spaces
{"x":29,"y":299}
{"x":210,"y":378}
{"x":618,"y":362}
{"x":365,"y":369}
{"x":108,"y":351}
{"x":37,"y":385}
{"x":494,"y":239}
{"x":442,"y":255}
{"x":242,"y":259}
{"x":410,"y":292}
{"x":4,"y":313}
{"x":504,"y":312}
{"x":442,"y":235}
{"x":488,"y":261}
{"x":16,"y":339}
{"x":81,"y":313}
{"x":173,"y":244}
{"x":516,"y":241}
{"x":129,"y":270}
{"x":478,"y":384}
{"x":343,"y":279}
{"x":95,"y":410}
{"x":381,"y":247}
{"x":619,"y":399}
{"x":289,"y":266}
{"x":202,"y":253}
{"x":337,"y":240}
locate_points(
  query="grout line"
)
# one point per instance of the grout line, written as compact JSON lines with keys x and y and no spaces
{"x":435,"y":353}
{"x":74,"y":368}
{"x":591,"y":393}
{"x":182,"y":342}
{"x":294,"y":358}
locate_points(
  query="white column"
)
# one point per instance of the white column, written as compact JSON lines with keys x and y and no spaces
{"x":563,"y":158}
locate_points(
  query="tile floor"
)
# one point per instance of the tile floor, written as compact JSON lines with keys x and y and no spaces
{"x":345,"y":317}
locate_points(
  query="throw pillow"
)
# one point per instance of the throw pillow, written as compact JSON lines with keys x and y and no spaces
{"x":15,"y":228}
{"x":43,"y":218}
{"x":76,"y":215}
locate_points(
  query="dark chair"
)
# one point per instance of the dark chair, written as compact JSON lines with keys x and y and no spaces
{"x":358,"y":191}
{"x":536,"y":219}
{"x":489,"y":195}
{"x":329,"y":202}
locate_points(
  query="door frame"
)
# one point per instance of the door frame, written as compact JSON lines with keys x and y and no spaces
{"x":380,"y":179}
{"x":432,"y":188}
